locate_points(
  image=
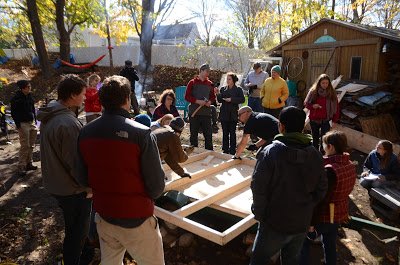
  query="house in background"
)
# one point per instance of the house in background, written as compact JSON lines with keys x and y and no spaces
{"x":186,"y":34}
{"x":91,"y":38}
{"x":358,"y":52}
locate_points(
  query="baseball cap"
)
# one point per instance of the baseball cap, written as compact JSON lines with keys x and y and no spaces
{"x":204,"y":67}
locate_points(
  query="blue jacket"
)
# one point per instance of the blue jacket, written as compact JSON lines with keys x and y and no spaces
{"x":288,"y":181}
{"x":391,"y":171}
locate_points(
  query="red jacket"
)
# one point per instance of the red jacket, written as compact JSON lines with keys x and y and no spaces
{"x":120,"y":162}
{"x":341,"y":175}
{"x":92,"y":101}
{"x":320,"y":114}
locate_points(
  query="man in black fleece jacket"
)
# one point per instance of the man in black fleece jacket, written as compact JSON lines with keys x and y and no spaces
{"x":24,"y":116}
{"x":288,"y":181}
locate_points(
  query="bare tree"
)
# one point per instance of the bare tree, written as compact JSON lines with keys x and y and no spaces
{"x":246,"y":17}
{"x":205,"y":12}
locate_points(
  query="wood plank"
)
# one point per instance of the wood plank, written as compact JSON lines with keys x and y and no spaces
{"x":176,"y":184}
{"x":192,"y":158}
{"x":190,"y":225}
{"x":361,"y":141}
{"x":206,"y":201}
{"x":207,"y":160}
{"x":386,"y":198}
{"x":238,"y":228}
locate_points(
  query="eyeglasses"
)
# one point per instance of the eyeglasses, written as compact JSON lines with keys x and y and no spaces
{"x":169,"y":98}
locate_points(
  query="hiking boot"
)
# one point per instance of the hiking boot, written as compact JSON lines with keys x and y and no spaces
{"x":21,"y":173}
{"x":215,"y":128}
{"x":31,"y":167}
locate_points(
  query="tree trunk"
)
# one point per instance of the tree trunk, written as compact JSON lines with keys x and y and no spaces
{"x":356,"y":17}
{"x":108,"y":35}
{"x":280,"y":22}
{"x":250,"y":45}
{"x":333,"y":9}
{"x":64,"y":37}
{"x":38,"y":37}
{"x":146,"y":40}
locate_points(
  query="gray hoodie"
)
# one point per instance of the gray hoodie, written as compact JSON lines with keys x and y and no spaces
{"x":59,"y":132}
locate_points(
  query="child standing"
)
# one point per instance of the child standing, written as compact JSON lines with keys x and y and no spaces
{"x":333,"y":210}
{"x":92,"y":102}
{"x":323,"y":104}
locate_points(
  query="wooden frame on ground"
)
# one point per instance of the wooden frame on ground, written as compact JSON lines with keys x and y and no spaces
{"x":223,"y":184}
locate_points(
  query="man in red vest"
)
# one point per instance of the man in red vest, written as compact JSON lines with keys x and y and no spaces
{"x":119,"y":160}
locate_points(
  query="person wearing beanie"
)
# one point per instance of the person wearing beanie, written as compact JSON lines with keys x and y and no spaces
{"x":274,"y":92}
{"x":24,"y":115}
{"x":130,"y":72}
{"x":143,"y":119}
{"x":170,"y":146}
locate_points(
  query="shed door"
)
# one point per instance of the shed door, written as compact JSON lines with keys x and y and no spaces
{"x":318,"y":62}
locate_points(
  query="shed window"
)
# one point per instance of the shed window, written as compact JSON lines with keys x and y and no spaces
{"x":355,"y":68}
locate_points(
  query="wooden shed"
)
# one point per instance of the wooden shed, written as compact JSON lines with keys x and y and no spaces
{"x":358,"y":52}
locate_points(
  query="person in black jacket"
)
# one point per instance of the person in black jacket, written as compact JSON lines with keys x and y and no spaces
{"x":24,"y":115}
{"x":131,"y":74}
{"x":230,"y":97}
{"x":262,"y":125}
{"x":288,"y":181}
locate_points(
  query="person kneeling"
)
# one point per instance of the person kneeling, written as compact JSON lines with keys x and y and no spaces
{"x":170,"y":148}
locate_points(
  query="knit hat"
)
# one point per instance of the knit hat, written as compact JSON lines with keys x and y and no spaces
{"x":204,"y":67}
{"x":143,"y":119}
{"x":276,"y":68}
{"x":177,"y":124}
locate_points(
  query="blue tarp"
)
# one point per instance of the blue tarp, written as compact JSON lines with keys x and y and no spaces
{"x":374,"y":99}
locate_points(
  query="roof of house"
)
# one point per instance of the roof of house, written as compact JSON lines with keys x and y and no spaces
{"x":390,"y":34}
{"x":179,"y":31}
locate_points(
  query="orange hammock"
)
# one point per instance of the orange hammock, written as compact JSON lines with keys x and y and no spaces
{"x":83,"y":66}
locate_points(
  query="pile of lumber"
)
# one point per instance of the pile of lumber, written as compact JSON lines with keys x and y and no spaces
{"x":370,"y":108}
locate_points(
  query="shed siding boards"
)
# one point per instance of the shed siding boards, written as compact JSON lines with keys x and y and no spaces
{"x":368,"y":61}
{"x":349,"y":43}
{"x":338,"y":32}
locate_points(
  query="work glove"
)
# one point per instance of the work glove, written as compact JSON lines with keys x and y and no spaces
{"x":186,"y":175}
{"x":236,"y":157}
{"x":252,"y":147}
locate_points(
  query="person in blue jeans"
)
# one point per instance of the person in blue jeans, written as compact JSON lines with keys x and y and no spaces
{"x":253,"y":83}
{"x":333,"y":210}
{"x":287,"y":182}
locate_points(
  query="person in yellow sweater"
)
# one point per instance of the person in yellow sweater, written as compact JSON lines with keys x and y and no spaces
{"x":274,"y":92}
